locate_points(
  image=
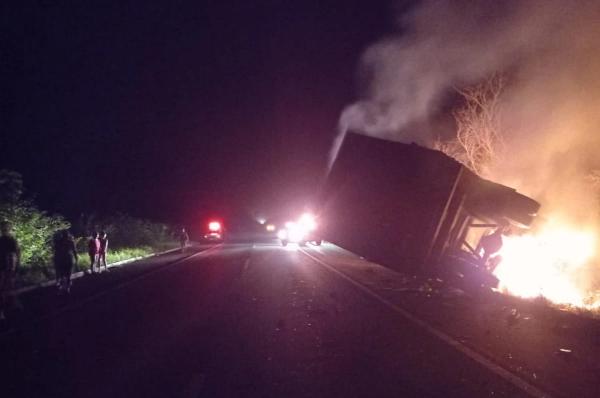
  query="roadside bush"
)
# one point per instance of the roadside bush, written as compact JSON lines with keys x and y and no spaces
{"x":32,"y":227}
{"x":126,"y":232}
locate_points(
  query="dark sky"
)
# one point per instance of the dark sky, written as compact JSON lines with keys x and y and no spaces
{"x":165,"y":109}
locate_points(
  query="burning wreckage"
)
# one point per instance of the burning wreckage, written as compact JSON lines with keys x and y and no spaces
{"x":419,"y":211}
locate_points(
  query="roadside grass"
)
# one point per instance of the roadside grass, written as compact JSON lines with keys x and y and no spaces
{"x":41,"y":273}
{"x":114,"y":256}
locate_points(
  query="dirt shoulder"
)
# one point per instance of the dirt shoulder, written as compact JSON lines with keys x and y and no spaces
{"x":554,"y":349}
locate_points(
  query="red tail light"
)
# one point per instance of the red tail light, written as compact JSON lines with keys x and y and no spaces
{"x":214,"y":226}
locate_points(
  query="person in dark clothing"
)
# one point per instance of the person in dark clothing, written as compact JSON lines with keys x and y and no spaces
{"x":10,"y":257}
{"x":103,"y":250}
{"x":65,"y":259}
{"x":183,"y":239}
{"x":93,"y":251}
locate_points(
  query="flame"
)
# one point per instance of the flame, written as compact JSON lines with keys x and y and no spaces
{"x":552,"y":263}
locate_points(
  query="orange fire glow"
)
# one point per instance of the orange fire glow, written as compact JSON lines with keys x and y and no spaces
{"x":552,"y":262}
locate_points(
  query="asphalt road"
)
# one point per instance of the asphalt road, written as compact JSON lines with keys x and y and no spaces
{"x":236,"y":320}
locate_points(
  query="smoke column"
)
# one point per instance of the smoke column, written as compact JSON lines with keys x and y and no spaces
{"x":550,"y":117}
{"x":550,"y":111}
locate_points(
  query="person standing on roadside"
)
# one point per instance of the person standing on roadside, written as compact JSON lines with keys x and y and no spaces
{"x":184,"y":239}
{"x":10,"y":257}
{"x":65,"y":259}
{"x":103,"y":250}
{"x":93,"y":251}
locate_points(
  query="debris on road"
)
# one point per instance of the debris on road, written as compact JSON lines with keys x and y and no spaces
{"x":564,"y":353}
{"x":513,"y":317}
{"x":452,"y":292}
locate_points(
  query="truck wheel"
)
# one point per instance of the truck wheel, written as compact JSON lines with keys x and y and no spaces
{"x":284,"y":242}
{"x":318,"y":242}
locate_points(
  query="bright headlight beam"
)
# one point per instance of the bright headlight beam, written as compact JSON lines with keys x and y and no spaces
{"x":307,"y":220}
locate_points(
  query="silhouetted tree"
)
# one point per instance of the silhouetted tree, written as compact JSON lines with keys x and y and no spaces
{"x":33,"y":228}
{"x":479,"y":143}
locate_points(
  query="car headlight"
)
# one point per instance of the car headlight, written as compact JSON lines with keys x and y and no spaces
{"x":282,"y":234}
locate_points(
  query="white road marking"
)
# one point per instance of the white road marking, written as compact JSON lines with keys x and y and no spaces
{"x":79,"y":274}
{"x":116,"y":287}
{"x":474,"y":355}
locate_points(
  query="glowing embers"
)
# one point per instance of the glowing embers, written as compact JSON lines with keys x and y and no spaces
{"x":554,"y":262}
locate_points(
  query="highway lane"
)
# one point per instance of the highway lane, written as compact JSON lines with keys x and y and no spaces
{"x":240,"y":320}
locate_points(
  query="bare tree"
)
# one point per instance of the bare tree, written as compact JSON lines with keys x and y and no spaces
{"x":478,"y":143}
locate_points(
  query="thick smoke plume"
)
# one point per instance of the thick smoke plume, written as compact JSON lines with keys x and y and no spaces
{"x":550,"y":50}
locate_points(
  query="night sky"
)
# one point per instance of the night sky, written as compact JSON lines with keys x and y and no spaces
{"x":167,"y":109}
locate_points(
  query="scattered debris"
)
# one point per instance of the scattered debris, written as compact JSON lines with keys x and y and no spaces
{"x":463,"y":339}
{"x":453,"y":292}
{"x":513,"y":317}
{"x":402,"y":289}
{"x":564,"y":353}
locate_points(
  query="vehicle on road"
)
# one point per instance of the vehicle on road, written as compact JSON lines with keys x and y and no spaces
{"x":304,"y":230}
{"x":215,"y":231}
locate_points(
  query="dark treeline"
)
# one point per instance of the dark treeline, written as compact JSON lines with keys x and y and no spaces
{"x":35,"y":229}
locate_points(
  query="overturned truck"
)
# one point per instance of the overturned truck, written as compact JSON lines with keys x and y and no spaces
{"x":412,"y":208}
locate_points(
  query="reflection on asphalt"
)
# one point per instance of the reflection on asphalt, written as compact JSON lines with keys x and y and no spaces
{"x":246,"y":319}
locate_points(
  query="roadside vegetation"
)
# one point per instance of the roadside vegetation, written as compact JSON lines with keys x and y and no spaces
{"x":34,"y":229}
{"x":128,"y":237}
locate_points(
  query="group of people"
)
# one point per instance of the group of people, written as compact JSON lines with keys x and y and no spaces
{"x":97,"y":248}
{"x":66,"y":258}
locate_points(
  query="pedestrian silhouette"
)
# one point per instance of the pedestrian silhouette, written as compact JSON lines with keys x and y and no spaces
{"x":93,"y":251}
{"x":10,"y":257}
{"x":103,"y":250}
{"x":183,"y":239}
{"x":65,"y":259}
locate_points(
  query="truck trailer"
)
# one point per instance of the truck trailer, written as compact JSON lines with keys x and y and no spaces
{"x":412,"y":208}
